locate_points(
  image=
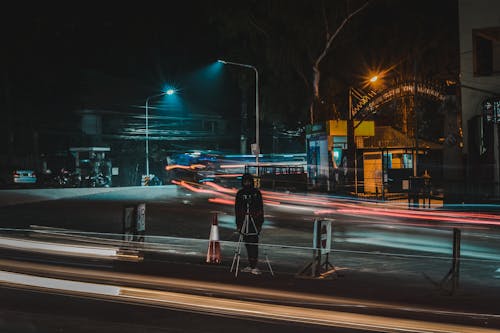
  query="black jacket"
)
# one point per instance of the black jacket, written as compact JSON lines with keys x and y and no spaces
{"x":249,"y":198}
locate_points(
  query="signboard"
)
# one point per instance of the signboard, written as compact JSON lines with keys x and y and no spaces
{"x":141,"y":217}
{"x":255,"y":149}
{"x":322,"y":237}
{"x":371,"y":103}
{"x":134,"y":222}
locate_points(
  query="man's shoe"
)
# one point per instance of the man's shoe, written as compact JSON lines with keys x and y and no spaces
{"x":256,"y":271}
{"x":247,"y":269}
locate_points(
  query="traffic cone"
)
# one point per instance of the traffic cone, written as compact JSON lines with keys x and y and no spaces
{"x":213,"y":253}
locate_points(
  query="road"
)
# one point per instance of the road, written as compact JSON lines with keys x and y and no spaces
{"x":365,"y":241}
{"x":285,"y":309}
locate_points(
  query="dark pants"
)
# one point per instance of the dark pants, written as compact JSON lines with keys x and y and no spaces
{"x":251,"y":243}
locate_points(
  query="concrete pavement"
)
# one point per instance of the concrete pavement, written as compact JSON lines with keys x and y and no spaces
{"x":21,"y":196}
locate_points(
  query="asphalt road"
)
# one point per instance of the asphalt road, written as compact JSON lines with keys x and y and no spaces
{"x":48,"y":312}
{"x":361,"y":239}
{"x":370,"y":248}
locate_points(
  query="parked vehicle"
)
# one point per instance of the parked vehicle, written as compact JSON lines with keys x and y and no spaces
{"x":24,"y":177}
{"x":68,"y":179}
{"x":95,"y":180}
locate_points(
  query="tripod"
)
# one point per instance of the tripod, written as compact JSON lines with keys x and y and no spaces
{"x":245,"y":231}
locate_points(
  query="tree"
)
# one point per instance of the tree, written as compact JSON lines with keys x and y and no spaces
{"x":329,"y":39}
{"x":284,"y":40}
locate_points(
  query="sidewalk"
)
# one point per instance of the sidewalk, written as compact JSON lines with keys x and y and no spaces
{"x":10,"y":197}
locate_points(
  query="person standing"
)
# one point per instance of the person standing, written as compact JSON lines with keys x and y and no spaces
{"x":249,"y":212}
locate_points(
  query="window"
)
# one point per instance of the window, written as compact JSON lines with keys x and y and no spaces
{"x":486,"y":44}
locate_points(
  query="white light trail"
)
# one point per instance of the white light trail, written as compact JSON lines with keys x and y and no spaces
{"x":36,"y":246}
{"x":232,"y":307}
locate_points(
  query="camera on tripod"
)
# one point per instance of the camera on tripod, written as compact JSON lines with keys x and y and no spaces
{"x":249,"y":232}
{"x":248,"y":227}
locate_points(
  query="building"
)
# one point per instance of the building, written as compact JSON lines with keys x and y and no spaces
{"x":384,"y":157}
{"x":479,"y":33}
{"x":124,"y":133}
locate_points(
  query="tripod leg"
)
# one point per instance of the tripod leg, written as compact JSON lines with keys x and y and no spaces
{"x":269,"y":265}
{"x":237,"y":254}
{"x":237,"y":266}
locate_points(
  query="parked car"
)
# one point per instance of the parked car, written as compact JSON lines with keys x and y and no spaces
{"x":24,"y":177}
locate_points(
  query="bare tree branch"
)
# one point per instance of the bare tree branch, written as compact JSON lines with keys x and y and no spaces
{"x":339,"y":28}
{"x":325,"y":20}
{"x":257,"y":26}
{"x":328,"y":44}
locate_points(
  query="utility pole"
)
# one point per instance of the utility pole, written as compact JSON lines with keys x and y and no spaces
{"x":415,"y":114}
{"x":351,"y":144}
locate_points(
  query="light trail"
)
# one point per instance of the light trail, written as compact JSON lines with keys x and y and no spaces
{"x":185,"y":167}
{"x":192,"y":188}
{"x":221,"y":201}
{"x":358,"y":208}
{"x":427,"y":216}
{"x":232,"y":307}
{"x":223,"y":189}
{"x":61,"y":249}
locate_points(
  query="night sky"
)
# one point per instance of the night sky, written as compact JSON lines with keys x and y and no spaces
{"x":46,"y":51}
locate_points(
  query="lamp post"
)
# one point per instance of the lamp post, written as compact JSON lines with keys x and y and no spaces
{"x":351,"y":146}
{"x":257,"y":141}
{"x":352,"y":159}
{"x":167,"y":92}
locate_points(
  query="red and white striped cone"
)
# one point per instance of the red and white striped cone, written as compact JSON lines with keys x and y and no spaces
{"x":213,"y":253}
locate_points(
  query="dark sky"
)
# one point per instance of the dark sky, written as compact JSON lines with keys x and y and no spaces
{"x":46,"y":49}
{"x":118,"y":42}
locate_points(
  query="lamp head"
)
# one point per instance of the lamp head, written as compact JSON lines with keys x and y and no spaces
{"x":222,"y":61}
{"x":170,"y":92}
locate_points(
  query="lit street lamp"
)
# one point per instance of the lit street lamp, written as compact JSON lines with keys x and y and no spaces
{"x":257,"y":141}
{"x":167,"y":92}
{"x":352,"y":159}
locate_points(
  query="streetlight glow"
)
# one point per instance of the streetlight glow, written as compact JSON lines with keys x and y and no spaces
{"x":351,"y":127}
{"x":169,"y":92}
{"x":257,"y":141}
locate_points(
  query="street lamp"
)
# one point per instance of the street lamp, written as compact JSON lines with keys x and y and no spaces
{"x":167,"y":92}
{"x":352,"y":158}
{"x":257,"y":141}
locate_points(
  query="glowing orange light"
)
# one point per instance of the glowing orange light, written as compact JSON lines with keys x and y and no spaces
{"x":178,"y":166}
{"x":221,"y":201}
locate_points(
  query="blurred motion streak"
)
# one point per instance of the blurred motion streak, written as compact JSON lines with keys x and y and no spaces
{"x":62,"y":249}
{"x":231,"y":307}
{"x":357,"y":208}
{"x":185,"y":167}
{"x":424,"y":216}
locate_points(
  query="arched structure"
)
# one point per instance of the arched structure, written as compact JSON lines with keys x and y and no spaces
{"x":370,"y":103}
{"x":328,"y":145}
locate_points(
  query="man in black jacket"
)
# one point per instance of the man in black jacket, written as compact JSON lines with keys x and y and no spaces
{"x":249,"y":211}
